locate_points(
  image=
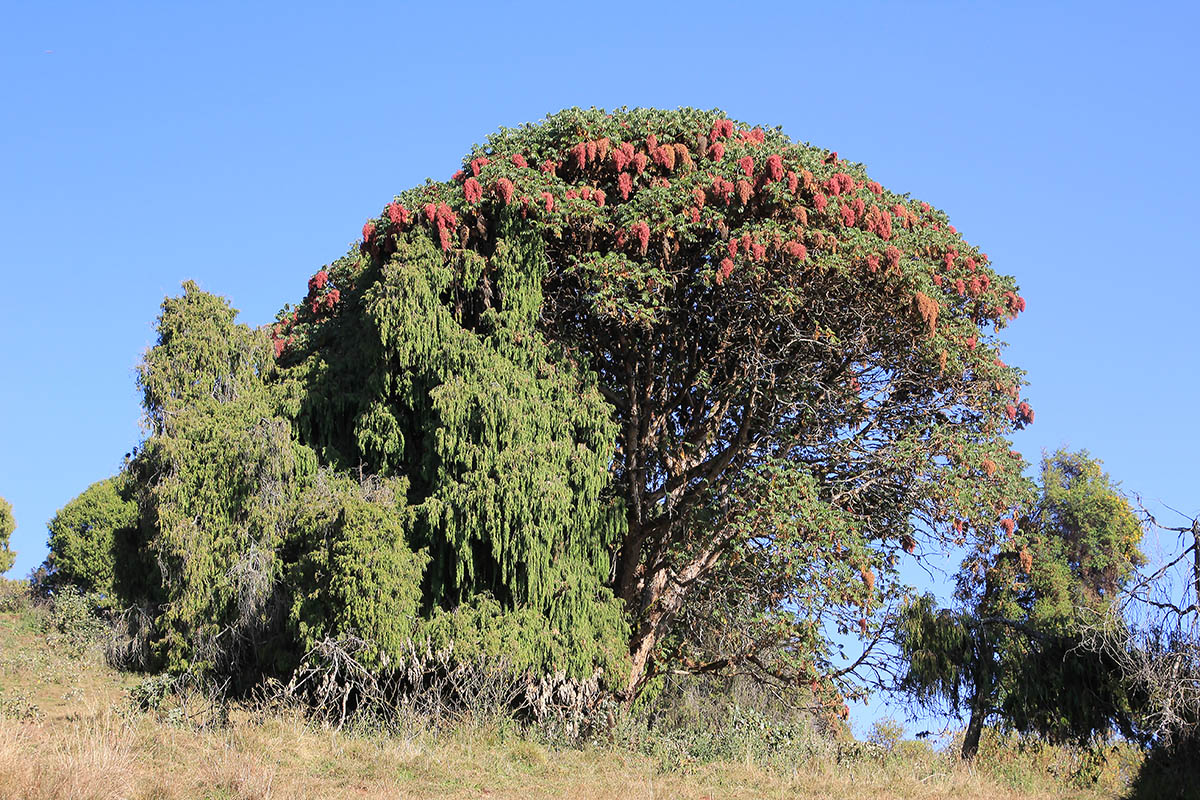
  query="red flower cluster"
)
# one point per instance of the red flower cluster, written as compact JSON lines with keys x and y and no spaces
{"x":472,"y":191}
{"x":717,"y":151}
{"x":1009,"y":524}
{"x":549,"y":198}
{"x":892,"y":256}
{"x":755,"y":136}
{"x":625,"y":184}
{"x":599,"y":196}
{"x":878,"y":222}
{"x":757,"y":251}
{"x":797,"y":250}
{"x":747,"y":165}
{"x":774,"y":167}
{"x":505,"y":188}
{"x":368,"y":232}
{"x":820,"y":201}
{"x":848,"y":218}
{"x":397,"y":213}
{"x":477,"y":164}
{"x":445,"y":218}
{"x":960,"y":287}
{"x":332,"y":298}
{"x":724,"y":270}
{"x":518,"y":160}
{"x":1025,"y":413}
{"x":642,"y":231}
{"x":840,"y":182}
{"x":1015,"y":303}
{"x":744,"y":191}
{"x":722,"y":128}
{"x":640,"y":160}
{"x":622,"y":155}
{"x":579,"y":151}
{"x":722,"y":189}
{"x":317,"y":282}
{"x":664,"y":156}
{"x":875,"y":188}
{"x":1011,"y":411}
{"x":873,"y":263}
{"x":549,"y":166}
{"x":280,"y":344}
{"x":793,"y":181}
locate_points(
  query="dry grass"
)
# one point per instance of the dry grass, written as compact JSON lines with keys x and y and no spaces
{"x":85,"y":744}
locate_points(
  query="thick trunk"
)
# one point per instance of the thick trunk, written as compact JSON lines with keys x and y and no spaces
{"x":974,"y":731}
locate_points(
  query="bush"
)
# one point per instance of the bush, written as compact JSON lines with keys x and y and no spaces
{"x":14,"y":596}
{"x":74,"y":622}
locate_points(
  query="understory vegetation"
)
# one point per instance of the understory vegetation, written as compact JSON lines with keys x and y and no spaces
{"x":73,"y":727}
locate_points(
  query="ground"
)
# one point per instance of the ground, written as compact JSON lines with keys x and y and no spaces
{"x":69,"y":731}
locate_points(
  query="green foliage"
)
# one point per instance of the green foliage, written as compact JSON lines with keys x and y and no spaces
{"x":8,"y":524}
{"x":1011,"y":651}
{"x":216,"y":482}
{"x":84,"y":533}
{"x":637,"y":391}
{"x":356,"y":572}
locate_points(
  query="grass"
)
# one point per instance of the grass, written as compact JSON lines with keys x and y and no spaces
{"x":68,"y":731}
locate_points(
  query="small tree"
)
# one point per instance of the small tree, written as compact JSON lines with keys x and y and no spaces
{"x":1010,"y":651}
{"x":84,"y":533}
{"x":8,"y":524}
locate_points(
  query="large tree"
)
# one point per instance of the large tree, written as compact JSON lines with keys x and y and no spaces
{"x":787,"y":372}
{"x":1011,"y":650}
{"x":663,"y":390}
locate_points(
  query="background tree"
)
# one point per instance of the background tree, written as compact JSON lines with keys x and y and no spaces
{"x":1151,"y":632}
{"x":8,"y":524}
{"x":1011,"y":651}
{"x":85,"y":535}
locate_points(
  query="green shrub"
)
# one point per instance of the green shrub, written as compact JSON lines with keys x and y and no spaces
{"x":14,"y":596}
{"x":83,"y":534}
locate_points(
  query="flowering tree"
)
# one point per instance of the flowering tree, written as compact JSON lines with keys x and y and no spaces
{"x":668,"y":358}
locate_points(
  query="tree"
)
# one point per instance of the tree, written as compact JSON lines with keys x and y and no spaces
{"x":8,"y":524}
{"x":778,"y":374}
{"x":84,"y":533}
{"x":673,"y":393}
{"x":1012,"y":649}
{"x":1151,"y":633}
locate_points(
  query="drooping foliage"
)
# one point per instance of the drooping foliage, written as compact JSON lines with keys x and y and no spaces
{"x":667,"y":390}
{"x":1011,"y":650}
{"x":8,"y":524}
{"x":87,"y":537}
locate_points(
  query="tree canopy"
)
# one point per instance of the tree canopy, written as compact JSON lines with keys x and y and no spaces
{"x":669,"y":391}
{"x":86,"y":534}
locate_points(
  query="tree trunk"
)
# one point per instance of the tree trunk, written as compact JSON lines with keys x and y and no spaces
{"x":974,"y":730}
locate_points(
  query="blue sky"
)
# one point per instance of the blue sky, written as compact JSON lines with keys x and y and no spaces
{"x":243,"y":145}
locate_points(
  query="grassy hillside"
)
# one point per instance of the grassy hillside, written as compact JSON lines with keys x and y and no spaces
{"x":68,"y":729}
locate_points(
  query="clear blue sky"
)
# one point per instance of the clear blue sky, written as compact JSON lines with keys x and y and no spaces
{"x":243,"y":145}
